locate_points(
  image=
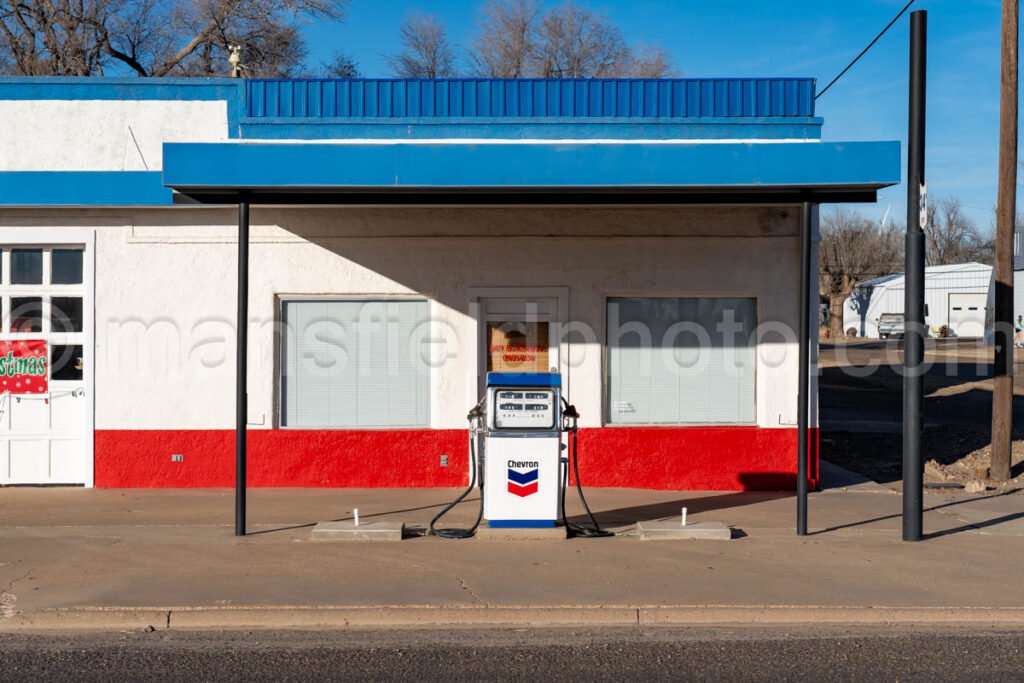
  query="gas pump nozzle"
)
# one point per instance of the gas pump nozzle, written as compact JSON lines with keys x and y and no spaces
{"x":570,"y":416}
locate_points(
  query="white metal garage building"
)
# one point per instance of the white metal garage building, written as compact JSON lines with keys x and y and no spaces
{"x":1018,"y":273}
{"x":955,"y":295}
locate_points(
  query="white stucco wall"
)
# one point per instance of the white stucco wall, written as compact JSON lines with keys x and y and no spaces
{"x":97,"y":135}
{"x":165,"y":291}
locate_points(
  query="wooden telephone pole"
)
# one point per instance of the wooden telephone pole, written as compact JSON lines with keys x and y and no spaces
{"x":1006,"y":213}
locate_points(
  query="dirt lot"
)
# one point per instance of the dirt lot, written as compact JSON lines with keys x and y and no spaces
{"x":862,"y":404}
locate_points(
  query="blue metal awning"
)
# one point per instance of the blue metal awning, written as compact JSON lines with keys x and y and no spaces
{"x":275,"y":171}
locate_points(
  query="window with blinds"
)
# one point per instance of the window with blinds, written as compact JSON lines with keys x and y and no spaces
{"x":354,"y":364}
{"x":681,"y":360}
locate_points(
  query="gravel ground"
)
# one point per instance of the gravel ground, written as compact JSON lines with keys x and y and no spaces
{"x":860,"y":382}
{"x":951,"y":453}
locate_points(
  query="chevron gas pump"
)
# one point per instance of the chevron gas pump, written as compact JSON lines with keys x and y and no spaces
{"x":523,"y":449}
{"x":522,"y":469}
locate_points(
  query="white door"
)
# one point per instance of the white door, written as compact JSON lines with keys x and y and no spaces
{"x":967,"y":314}
{"x":46,"y":438}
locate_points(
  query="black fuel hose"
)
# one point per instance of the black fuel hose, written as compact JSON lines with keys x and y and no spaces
{"x":474,"y":466}
{"x":594,"y":530}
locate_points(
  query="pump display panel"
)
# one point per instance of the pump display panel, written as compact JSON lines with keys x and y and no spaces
{"x":525,"y":408}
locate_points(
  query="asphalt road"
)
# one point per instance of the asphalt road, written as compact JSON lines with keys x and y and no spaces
{"x":783,"y":654}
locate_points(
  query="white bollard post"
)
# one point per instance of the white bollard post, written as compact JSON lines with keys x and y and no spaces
{"x":355,"y":513}
{"x":684,"y":516}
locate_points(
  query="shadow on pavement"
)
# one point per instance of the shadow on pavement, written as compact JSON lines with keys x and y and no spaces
{"x":975,"y":526}
{"x":621,"y":516}
{"x":669,"y":509}
{"x":937,"y":534}
{"x":349,"y":518}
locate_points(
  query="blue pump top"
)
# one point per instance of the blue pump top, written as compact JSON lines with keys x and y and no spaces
{"x":524,"y":379}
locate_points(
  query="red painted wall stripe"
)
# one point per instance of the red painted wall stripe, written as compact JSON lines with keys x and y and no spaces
{"x":666,"y":458}
{"x":693,"y":458}
{"x":282,"y":457}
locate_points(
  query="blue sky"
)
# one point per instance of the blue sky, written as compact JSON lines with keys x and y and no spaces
{"x":789,"y":38}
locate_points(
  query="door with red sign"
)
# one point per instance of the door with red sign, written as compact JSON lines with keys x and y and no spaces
{"x":45,"y":427}
{"x":519,"y":334}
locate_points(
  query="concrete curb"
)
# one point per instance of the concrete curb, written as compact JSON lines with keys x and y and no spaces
{"x":288,"y":617}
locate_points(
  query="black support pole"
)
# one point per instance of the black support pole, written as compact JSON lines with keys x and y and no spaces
{"x":241,"y":366}
{"x":804,"y":371}
{"x":913,"y":336}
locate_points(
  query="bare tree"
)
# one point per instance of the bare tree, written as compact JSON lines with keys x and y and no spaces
{"x":155,"y":37}
{"x":504,"y":44}
{"x":41,"y":38}
{"x":427,"y":53}
{"x":574,"y":42}
{"x":341,"y":66}
{"x":952,"y":237}
{"x":650,"y":61}
{"x":854,"y":249}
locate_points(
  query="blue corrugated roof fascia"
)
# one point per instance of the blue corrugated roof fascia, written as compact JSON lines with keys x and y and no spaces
{"x":484,"y":97}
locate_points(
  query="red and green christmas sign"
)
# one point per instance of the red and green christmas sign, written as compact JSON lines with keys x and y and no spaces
{"x":23,"y":366}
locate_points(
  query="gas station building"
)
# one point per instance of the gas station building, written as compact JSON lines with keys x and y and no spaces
{"x":643,"y":238}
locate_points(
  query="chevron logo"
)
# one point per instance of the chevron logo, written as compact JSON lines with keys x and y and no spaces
{"x":523,"y":484}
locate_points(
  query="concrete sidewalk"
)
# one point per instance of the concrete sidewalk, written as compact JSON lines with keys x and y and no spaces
{"x":128,"y":559}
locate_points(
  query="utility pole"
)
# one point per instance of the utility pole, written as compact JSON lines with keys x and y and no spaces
{"x":1006,"y":213}
{"x":242,"y":367}
{"x":914,"y":330}
{"x":803,"y":373}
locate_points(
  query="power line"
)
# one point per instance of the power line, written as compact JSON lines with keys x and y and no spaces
{"x":865,"y":50}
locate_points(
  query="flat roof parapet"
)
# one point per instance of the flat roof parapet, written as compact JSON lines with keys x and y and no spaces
{"x":471,"y":108}
{"x":560,"y":98}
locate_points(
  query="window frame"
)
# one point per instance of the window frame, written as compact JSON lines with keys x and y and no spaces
{"x":606,"y":419}
{"x":281,"y":300}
